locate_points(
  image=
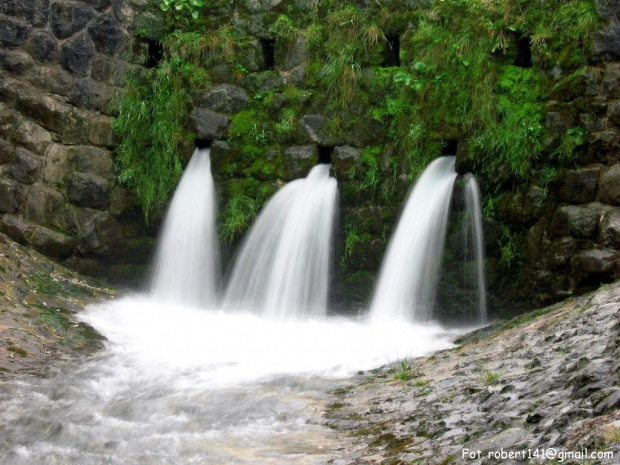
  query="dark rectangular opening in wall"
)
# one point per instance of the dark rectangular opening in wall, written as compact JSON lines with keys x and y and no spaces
{"x":523,"y":57}
{"x":269,"y":53}
{"x":325,"y":155}
{"x":391,"y":55}
{"x":202,"y":143}
{"x":156,"y":53}
{"x":449,"y":147}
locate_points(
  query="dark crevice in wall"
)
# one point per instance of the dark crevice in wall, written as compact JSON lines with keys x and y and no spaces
{"x":449,"y":147}
{"x":392,"y":51}
{"x":202,"y":143}
{"x":325,"y":154}
{"x":269,"y":53}
{"x":523,"y":58}
{"x":155,"y":53}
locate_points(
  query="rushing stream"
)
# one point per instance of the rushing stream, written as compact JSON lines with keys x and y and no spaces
{"x":186,"y":385}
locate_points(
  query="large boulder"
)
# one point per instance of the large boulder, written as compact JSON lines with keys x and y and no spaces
{"x":596,"y":262}
{"x":89,"y":190}
{"x":209,"y":124}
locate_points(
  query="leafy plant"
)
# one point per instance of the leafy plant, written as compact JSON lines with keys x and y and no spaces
{"x":351,"y":239}
{"x":238,"y":214}
{"x":179,"y":7}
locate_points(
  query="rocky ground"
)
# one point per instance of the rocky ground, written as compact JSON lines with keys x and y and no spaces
{"x":549,"y":379}
{"x":38,"y":299}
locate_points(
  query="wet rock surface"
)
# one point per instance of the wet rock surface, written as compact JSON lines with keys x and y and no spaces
{"x":38,"y":301}
{"x":549,"y":379}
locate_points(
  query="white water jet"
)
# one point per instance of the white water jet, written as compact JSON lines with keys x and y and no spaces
{"x":187,"y":259}
{"x":410,"y":271}
{"x":474,"y":236}
{"x":283,"y":266}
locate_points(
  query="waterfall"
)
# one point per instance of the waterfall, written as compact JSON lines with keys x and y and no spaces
{"x":187,"y":259}
{"x":282,"y":268}
{"x":410,"y":271}
{"x":474,"y":236}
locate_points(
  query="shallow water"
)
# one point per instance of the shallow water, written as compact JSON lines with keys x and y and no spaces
{"x":185,"y":385}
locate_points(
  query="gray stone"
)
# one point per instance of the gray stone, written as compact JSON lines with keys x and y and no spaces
{"x":106,"y":34}
{"x":59,"y":164}
{"x":102,"y":236}
{"x":11,"y":194}
{"x":26,"y":166}
{"x":296,"y":54}
{"x":32,"y":136}
{"x":314,"y":128}
{"x":46,"y":207}
{"x":100,"y":132}
{"x":13,"y":32}
{"x":43,"y":46}
{"x":613,"y":112}
{"x":298,"y":160}
{"x":610,"y":186}
{"x":7,"y":152}
{"x":576,"y":186}
{"x":151,"y":26}
{"x":77,"y":54}
{"x":98,"y":4}
{"x":345,"y":157}
{"x":224,"y":98}
{"x":33,"y":11}
{"x":607,"y":42}
{"x":16,"y":62}
{"x":51,"y":243}
{"x":94,"y":160}
{"x":54,"y":78}
{"x":608,"y":9}
{"x":89,"y":190}
{"x":598,"y":262}
{"x":209,"y":124}
{"x":93,"y":95}
{"x":68,"y":18}
{"x":122,"y":202}
{"x":110,"y":71}
{"x":577,"y":221}
{"x":259,"y":6}
{"x":265,"y":81}
{"x":610,"y":228}
{"x":14,"y":227}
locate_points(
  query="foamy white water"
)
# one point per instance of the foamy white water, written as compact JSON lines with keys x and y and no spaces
{"x":474,"y":238}
{"x":181,"y":385}
{"x":410,"y":270}
{"x":187,"y":267}
{"x":282,"y":268}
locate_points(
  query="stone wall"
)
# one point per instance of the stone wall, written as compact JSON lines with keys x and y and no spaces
{"x":62,"y":65}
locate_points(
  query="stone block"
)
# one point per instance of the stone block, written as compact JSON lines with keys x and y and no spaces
{"x":94,"y":160}
{"x":106,"y":34}
{"x":16,"y":62}
{"x":597,"y":262}
{"x":345,"y":157}
{"x":76,"y":54}
{"x":610,"y":186}
{"x":13,"y":32}
{"x":43,"y":47}
{"x":314,"y":128}
{"x":34,"y":11}
{"x":101,"y":133}
{"x":580,"y":221}
{"x":93,"y":95}
{"x":98,"y":4}
{"x":110,"y":71}
{"x":59,"y":164}
{"x":32,"y":136}
{"x":576,"y":186}
{"x":89,"y":190}
{"x":68,"y":18}
{"x":50,"y":243}
{"x":610,"y":229}
{"x":607,"y":41}
{"x":26,"y":166}
{"x":11,"y":195}
{"x":46,"y":207}
{"x":52,"y":78}
{"x":7,"y":152}
{"x":14,"y":227}
{"x":613,"y":112}
{"x":223,"y":98}
{"x":102,"y":235}
{"x":209,"y":124}
{"x":298,"y":160}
